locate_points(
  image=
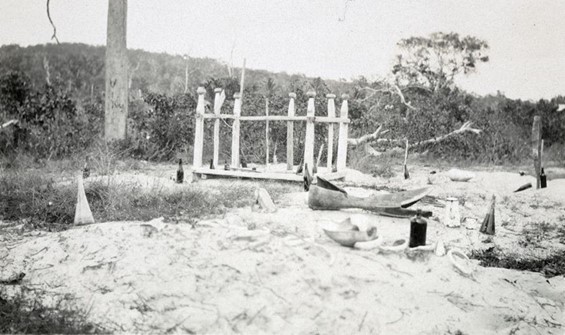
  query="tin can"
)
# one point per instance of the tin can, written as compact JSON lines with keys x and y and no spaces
{"x":452,"y":216}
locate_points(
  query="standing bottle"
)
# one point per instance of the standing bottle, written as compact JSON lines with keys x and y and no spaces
{"x":418,"y":227}
{"x":543,"y":179}
{"x":180,"y":173}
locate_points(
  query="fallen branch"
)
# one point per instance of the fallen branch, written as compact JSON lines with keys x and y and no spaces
{"x":9,"y":123}
{"x":466,"y":127}
{"x":367,"y":137}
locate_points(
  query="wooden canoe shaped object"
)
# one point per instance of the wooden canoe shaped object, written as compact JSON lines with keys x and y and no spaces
{"x":324,"y":199}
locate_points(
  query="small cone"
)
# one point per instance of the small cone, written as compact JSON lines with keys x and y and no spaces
{"x":83,"y":215}
{"x":488,"y":225}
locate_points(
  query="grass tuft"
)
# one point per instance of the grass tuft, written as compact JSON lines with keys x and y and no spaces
{"x":551,"y":266}
{"x":44,"y":204}
{"x":25,"y":313}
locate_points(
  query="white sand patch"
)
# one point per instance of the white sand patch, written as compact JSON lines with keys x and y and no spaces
{"x":287,"y":276}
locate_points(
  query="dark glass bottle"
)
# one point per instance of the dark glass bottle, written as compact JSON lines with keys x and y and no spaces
{"x":543,"y":179}
{"x":180,"y":173}
{"x":418,"y":227}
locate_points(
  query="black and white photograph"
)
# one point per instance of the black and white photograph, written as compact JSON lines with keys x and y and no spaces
{"x":282,"y":167}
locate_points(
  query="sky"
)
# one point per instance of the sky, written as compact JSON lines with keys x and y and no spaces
{"x":327,"y":38}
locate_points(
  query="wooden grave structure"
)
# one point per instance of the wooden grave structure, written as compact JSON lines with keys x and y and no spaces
{"x":235,"y":171}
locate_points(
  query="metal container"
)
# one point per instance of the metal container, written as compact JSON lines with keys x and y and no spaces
{"x":418,"y":228}
{"x":452,"y":217}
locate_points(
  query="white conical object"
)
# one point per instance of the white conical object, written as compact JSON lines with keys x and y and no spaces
{"x":440,"y":249}
{"x":83,"y":215}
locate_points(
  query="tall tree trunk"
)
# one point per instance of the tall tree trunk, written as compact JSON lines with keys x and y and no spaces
{"x":116,"y":108}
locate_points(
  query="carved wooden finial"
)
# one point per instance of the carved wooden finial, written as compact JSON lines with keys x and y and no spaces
{"x":292,"y":95}
{"x":345,"y":96}
{"x":311,"y":94}
{"x":330,"y":96}
{"x":217,"y":90}
{"x":237,"y":95}
{"x":200,"y":90}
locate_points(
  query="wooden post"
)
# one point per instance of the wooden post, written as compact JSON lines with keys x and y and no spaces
{"x":536,"y":148}
{"x":309,"y":141}
{"x":343,"y":134}
{"x":331,"y":113}
{"x":116,"y":104}
{"x":217,"y":110}
{"x":290,"y":134}
{"x":267,"y":133}
{"x":199,"y":130}
{"x":235,"y":131}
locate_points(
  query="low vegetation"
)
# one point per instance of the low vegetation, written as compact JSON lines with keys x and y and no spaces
{"x":551,"y":266}
{"x":26,"y":313}
{"x":45,"y":202}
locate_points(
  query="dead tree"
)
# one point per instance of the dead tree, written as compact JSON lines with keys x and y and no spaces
{"x":116,"y":105}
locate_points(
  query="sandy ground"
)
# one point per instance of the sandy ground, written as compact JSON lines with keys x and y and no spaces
{"x":286,"y":276}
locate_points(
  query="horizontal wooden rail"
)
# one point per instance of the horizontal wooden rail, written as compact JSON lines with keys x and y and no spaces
{"x":324,"y":119}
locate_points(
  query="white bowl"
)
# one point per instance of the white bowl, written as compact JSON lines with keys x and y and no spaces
{"x":460,"y":175}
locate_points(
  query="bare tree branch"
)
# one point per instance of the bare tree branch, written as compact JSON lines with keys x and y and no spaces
{"x":466,"y":127}
{"x":367,"y":137}
{"x":52,"y":24}
{"x":393,"y":89}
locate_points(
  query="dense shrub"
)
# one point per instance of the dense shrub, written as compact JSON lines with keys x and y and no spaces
{"x":49,"y":123}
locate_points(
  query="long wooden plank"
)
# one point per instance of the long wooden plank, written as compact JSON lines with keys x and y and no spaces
{"x":321,"y":119}
{"x":261,"y":175}
{"x":290,"y":134}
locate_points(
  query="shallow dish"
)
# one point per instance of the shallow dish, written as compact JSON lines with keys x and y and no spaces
{"x":347,"y":234}
{"x":394,"y":246}
{"x":460,"y":261}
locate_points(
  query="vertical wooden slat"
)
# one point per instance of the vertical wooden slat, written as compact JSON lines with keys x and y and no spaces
{"x":217,"y":110}
{"x":343,"y":134}
{"x":309,"y":141}
{"x":331,"y":113}
{"x":536,"y":148}
{"x":267,"y":133}
{"x":290,"y":134}
{"x":235,"y":131}
{"x":199,"y":129}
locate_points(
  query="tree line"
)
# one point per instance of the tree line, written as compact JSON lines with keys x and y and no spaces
{"x":56,"y":92}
